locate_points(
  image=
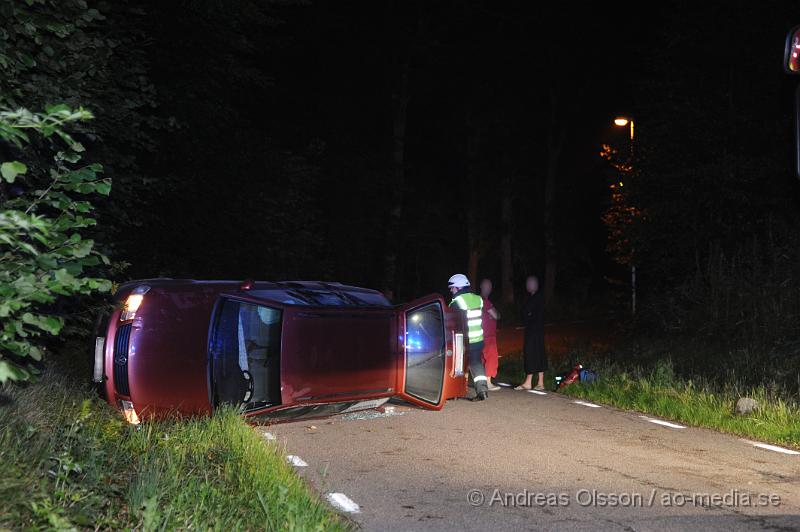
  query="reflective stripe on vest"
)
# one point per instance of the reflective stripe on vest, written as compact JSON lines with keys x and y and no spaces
{"x":473,"y":305}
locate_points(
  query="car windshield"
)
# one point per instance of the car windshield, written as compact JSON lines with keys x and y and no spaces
{"x":245,"y":348}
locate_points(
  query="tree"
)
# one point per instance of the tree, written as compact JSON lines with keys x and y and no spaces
{"x":92,"y":54}
{"x":43,"y":256}
{"x":506,"y":254}
{"x":621,"y":216}
{"x":719,"y":242}
{"x":397,"y":182}
{"x":476,"y":225}
{"x":556,"y":136}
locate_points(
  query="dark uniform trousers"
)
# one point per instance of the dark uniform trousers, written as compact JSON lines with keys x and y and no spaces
{"x":476,"y":370}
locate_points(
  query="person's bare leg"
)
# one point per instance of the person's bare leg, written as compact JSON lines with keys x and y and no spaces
{"x":528,"y":384}
{"x":540,"y":383}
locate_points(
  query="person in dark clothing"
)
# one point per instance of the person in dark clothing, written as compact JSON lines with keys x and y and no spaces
{"x":533,"y":347}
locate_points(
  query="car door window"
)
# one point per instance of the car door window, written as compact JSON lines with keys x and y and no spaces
{"x":425,"y":352}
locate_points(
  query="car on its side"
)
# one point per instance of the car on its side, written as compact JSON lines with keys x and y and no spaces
{"x":276,"y":350}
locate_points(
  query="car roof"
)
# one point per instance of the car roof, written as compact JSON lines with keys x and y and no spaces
{"x":306,"y":293}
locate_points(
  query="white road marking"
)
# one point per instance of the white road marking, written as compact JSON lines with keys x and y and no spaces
{"x":296,"y":460}
{"x":769,"y":447}
{"x":503,"y":384}
{"x":537,"y":392}
{"x":662,"y":422}
{"x":269,"y":436}
{"x":343,"y":503}
{"x":584,"y":403}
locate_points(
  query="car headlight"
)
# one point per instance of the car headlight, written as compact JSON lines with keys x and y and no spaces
{"x":133,"y":302}
{"x":130,"y":414}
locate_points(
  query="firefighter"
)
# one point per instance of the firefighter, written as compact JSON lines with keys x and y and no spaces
{"x":472,"y":305}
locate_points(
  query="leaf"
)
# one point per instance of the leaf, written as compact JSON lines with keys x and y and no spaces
{"x":56,"y":109}
{"x":10,"y":170}
{"x":51,"y":324}
{"x":10,"y":371}
{"x":35,"y":353}
{"x":62,"y":276}
{"x":83,"y":248}
{"x":82,"y":206}
{"x":104,"y":187}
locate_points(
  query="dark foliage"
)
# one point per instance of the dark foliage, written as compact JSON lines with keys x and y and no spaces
{"x":354,"y":141}
{"x":717,"y":245}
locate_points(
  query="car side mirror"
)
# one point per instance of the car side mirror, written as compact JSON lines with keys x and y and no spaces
{"x":791,"y":53}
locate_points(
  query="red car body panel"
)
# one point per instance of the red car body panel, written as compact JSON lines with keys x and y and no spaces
{"x":331,"y":357}
{"x":455,"y":384}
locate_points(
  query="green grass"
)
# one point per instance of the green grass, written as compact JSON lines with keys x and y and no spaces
{"x":660,"y":393}
{"x":68,"y":461}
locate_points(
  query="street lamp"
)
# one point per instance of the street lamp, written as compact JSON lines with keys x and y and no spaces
{"x":622,"y":121}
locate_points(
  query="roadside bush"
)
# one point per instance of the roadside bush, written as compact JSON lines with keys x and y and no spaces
{"x":43,"y":255}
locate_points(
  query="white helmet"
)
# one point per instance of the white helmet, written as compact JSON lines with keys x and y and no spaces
{"x":459,"y":280}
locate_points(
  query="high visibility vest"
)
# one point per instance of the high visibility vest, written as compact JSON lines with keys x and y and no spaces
{"x":472,"y":304}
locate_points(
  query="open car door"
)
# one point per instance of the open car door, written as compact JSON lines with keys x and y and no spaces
{"x":432,"y":364}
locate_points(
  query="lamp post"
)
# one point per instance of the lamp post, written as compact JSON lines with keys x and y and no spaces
{"x":622,"y":121}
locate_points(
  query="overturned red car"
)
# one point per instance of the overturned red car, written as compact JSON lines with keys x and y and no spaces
{"x":276,"y":350}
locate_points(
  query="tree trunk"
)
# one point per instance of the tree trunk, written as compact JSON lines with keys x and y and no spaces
{"x":555,"y":142}
{"x":472,"y":268}
{"x":506,"y":257}
{"x":396,"y":183}
{"x":474,"y":233}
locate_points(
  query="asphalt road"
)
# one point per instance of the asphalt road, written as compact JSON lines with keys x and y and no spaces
{"x":542,"y":463}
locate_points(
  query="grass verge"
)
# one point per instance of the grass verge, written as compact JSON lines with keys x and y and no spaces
{"x":659,"y":392}
{"x":68,"y":461}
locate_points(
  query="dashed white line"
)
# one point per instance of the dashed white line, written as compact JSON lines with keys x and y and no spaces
{"x":296,"y":460}
{"x":769,"y":447}
{"x":537,"y":392}
{"x":269,"y":436}
{"x":662,"y":422}
{"x":584,"y":403}
{"x":343,"y":503}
